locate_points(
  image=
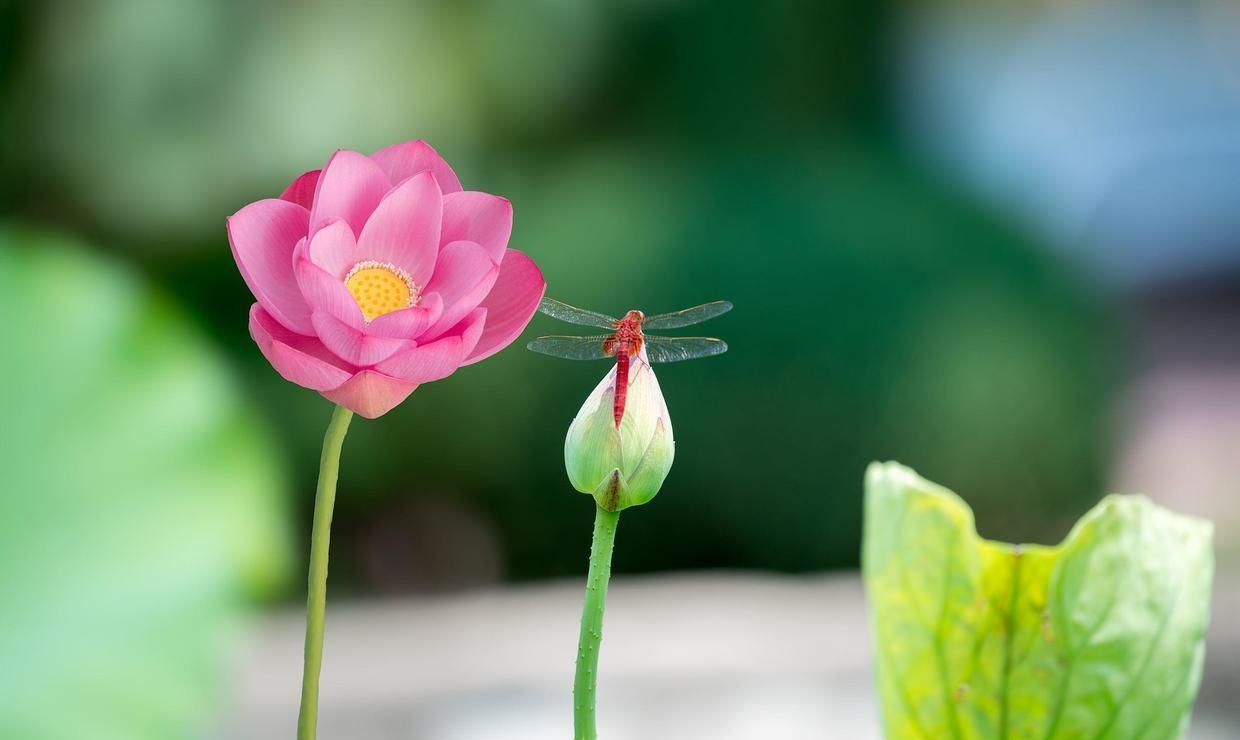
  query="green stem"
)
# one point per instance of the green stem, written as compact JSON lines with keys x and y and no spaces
{"x":316,"y":597}
{"x":605,"y":523}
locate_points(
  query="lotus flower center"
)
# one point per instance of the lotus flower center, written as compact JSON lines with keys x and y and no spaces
{"x":380,"y":288}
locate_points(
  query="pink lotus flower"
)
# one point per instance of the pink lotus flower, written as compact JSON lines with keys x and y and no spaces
{"x":377,"y":274}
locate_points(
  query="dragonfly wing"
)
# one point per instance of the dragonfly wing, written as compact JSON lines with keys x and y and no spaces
{"x":687,"y":317}
{"x":573,"y":315}
{"x":572,"y":348}
{"x":676,"y":349}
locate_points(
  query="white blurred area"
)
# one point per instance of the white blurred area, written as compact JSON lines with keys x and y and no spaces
{"x":724,"y":657}
{"x":685,"y":657}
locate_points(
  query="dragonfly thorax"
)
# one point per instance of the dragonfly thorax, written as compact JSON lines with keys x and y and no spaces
{"x":628,"y":337}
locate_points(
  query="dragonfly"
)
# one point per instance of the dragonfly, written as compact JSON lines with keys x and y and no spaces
{"x":627,"y":337}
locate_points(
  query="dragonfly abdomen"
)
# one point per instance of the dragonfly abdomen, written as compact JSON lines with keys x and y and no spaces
{"x":622,"y":386}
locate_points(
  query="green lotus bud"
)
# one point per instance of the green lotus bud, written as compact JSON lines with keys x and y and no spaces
{"x":621,"y":465}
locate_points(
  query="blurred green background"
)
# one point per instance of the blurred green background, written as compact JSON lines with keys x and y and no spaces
{"x":659,"y":153}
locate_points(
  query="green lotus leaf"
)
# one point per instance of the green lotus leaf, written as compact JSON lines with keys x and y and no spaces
{"x":1098,"y":637}
{"x":139,"y":503}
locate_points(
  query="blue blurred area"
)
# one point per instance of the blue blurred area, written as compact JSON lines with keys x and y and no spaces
{"x":1110,"y":128}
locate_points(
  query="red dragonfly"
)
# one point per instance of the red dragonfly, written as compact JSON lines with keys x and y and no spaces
{"x":628,"y":337}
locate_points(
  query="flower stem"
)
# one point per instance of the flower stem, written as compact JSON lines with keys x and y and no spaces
{"x":316,"y":597}
{"x":605,"y":523}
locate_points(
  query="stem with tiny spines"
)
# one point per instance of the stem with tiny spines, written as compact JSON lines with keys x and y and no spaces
{"x":605,"y":523}
{"x":316,"y":592}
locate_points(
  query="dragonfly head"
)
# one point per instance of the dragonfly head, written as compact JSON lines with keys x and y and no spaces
{"x":635,"y":316}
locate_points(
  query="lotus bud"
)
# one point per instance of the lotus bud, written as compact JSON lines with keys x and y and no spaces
{"x":621,"y":465}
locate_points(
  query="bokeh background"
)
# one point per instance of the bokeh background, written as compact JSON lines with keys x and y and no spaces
{"x":998,"y":241}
